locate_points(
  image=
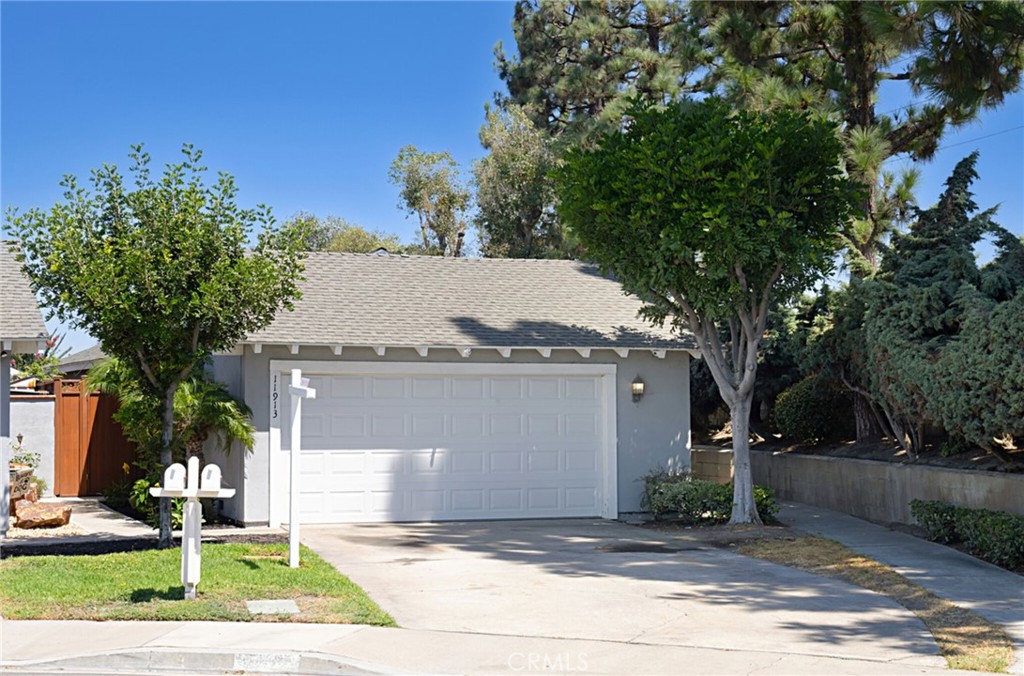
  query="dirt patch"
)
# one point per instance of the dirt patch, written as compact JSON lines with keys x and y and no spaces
{"x":722,"y":535}
{"x":90,"y":547}
{"x":967,"y":641}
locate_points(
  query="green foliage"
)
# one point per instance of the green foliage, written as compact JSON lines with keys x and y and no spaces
{"x":21,"y":455}
{"x":202,"y":409}
{"x":814,"y":409}
{"x":336,"y":234}
{"x":711,"y":216}
{"x":161,"y":274}
{"x":709,"y":206}
{"x":145,"y":504}
{"x":43,"y":365}
{"x":957,"y":58}
{"x":997,"y":537}
{"x":432,"y":190}
{"x":515,"y":199}
{"x":698,"y":501}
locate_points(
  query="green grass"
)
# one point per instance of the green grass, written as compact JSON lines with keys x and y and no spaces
{"x":146,"y":585}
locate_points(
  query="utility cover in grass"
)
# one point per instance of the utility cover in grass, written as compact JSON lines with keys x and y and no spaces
{"x":273,"y":607}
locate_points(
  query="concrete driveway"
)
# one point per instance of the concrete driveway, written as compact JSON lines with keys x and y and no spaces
{"x":606,"y":581}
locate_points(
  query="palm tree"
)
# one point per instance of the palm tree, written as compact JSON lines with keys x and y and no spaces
{"x":202,"y":409}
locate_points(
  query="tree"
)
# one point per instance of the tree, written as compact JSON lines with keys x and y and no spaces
{"x":431,"y":189}
{"x":957,"y":58}
{"x":337,"y":234}
{"x":579,"y":64}
{"x":515,"y":199}
{"x":933,"y":353}
{"x":162,"y":274}
{"x":709,"y":216}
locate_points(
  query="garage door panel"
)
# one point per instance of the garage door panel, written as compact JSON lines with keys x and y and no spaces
{"x":435,"y":447}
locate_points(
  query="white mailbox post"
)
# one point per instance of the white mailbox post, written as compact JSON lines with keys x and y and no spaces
{"x":207,"y":486}
{"x":299,"y":390}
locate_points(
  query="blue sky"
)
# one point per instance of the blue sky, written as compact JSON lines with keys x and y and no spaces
{"x":305,"y":103}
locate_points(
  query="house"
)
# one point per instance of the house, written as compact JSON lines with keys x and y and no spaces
{"x":77,"y":364}
{"x":21,"y":330}
{"x":453,"y":389}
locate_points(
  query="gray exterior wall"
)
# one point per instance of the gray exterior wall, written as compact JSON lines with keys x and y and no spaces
{"x":5,"y":443}
{"x":653,"y":433}
{"x":882,"y":491}
{"x":32,"y":417}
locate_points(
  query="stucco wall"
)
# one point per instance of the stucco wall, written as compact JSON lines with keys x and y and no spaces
{"x":651,"y":433}
{"x":32,"y":417}
{"x":882,"y":491}
{"x":5,"y":444}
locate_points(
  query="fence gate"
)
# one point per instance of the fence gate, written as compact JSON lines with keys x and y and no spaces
{"x":89,"y":448}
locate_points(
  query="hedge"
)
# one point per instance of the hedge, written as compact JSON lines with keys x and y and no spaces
{"x":698,"y":501}
{"x":996,"y":537}
{"x":814,"y":409}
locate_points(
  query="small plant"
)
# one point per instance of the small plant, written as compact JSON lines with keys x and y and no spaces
{"x":21,"y":456}
{"x":996,"y":537}
{"x":698,"y":501}
{"x":148,"y":506}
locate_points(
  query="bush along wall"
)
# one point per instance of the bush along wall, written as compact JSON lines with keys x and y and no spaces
{"x":996,"y":537}
{"x":698,"y":501}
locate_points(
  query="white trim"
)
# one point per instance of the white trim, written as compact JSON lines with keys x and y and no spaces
{"x":464,"y":351}
{"x":380,"y":350}
{"x":294,"y":348}
{"x":583,"y":352}
{"x":257,"y":348}
{"x":505,"y":352}
{"x":622,"y":352}
{"x":337,"y":349}
{"x":7,"y":345}
{"x":609,"y":500}
{"x":422,"y":350}
{"x":544,"y":352}
{"x":660,"y":354}
{"x":695,"y":354}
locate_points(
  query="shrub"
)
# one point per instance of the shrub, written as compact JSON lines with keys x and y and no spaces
{"x":698,"y":501}
{"x":996,"y":537}
{"x":814,"y":409}
{"x":937,"y":518}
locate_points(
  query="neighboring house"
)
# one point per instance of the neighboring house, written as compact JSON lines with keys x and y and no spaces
{"x":21,"y":330}
{"x":452,"y":389}
{"x":76,"y":365}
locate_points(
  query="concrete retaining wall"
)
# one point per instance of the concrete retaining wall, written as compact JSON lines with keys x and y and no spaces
{"x":32,"y":417}
{"x":713,"y":464}
{"x":882,"y":491}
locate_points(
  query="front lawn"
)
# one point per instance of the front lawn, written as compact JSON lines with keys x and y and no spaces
{"x":145,"y":585}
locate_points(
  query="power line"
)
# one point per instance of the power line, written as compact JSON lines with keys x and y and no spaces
{"x":960,"y":143}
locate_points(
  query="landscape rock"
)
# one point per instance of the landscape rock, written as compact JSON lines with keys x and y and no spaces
{"x":41,"y":514}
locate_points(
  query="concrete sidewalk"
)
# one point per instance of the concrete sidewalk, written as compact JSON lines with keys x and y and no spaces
{"x":990,"y":591}
{"x":41,"y":647}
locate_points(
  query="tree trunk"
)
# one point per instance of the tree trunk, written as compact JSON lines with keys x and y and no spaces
{"x":868,"y":429}
{"x":744,"y":509}
{"x":167,"y":435}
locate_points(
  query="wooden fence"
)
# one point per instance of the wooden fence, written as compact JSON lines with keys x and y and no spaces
{"x":90,"y":450}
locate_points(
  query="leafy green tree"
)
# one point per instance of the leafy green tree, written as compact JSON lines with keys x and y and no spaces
{"x":337,"y":234}
{"x":515,"y":199}
{"x":957,"y":59}
{"x":161,"y":273}
{"x":710,"y":216}
{"x":432,"y":190}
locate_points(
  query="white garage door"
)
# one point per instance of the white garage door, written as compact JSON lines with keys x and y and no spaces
{"x":447,"y":443}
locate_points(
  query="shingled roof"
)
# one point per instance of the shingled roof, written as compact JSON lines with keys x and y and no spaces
{"x":410,"y":301}
{"x":20,"y":318}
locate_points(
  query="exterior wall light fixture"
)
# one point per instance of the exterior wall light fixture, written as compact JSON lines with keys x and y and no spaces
{"x":638,"y":389}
